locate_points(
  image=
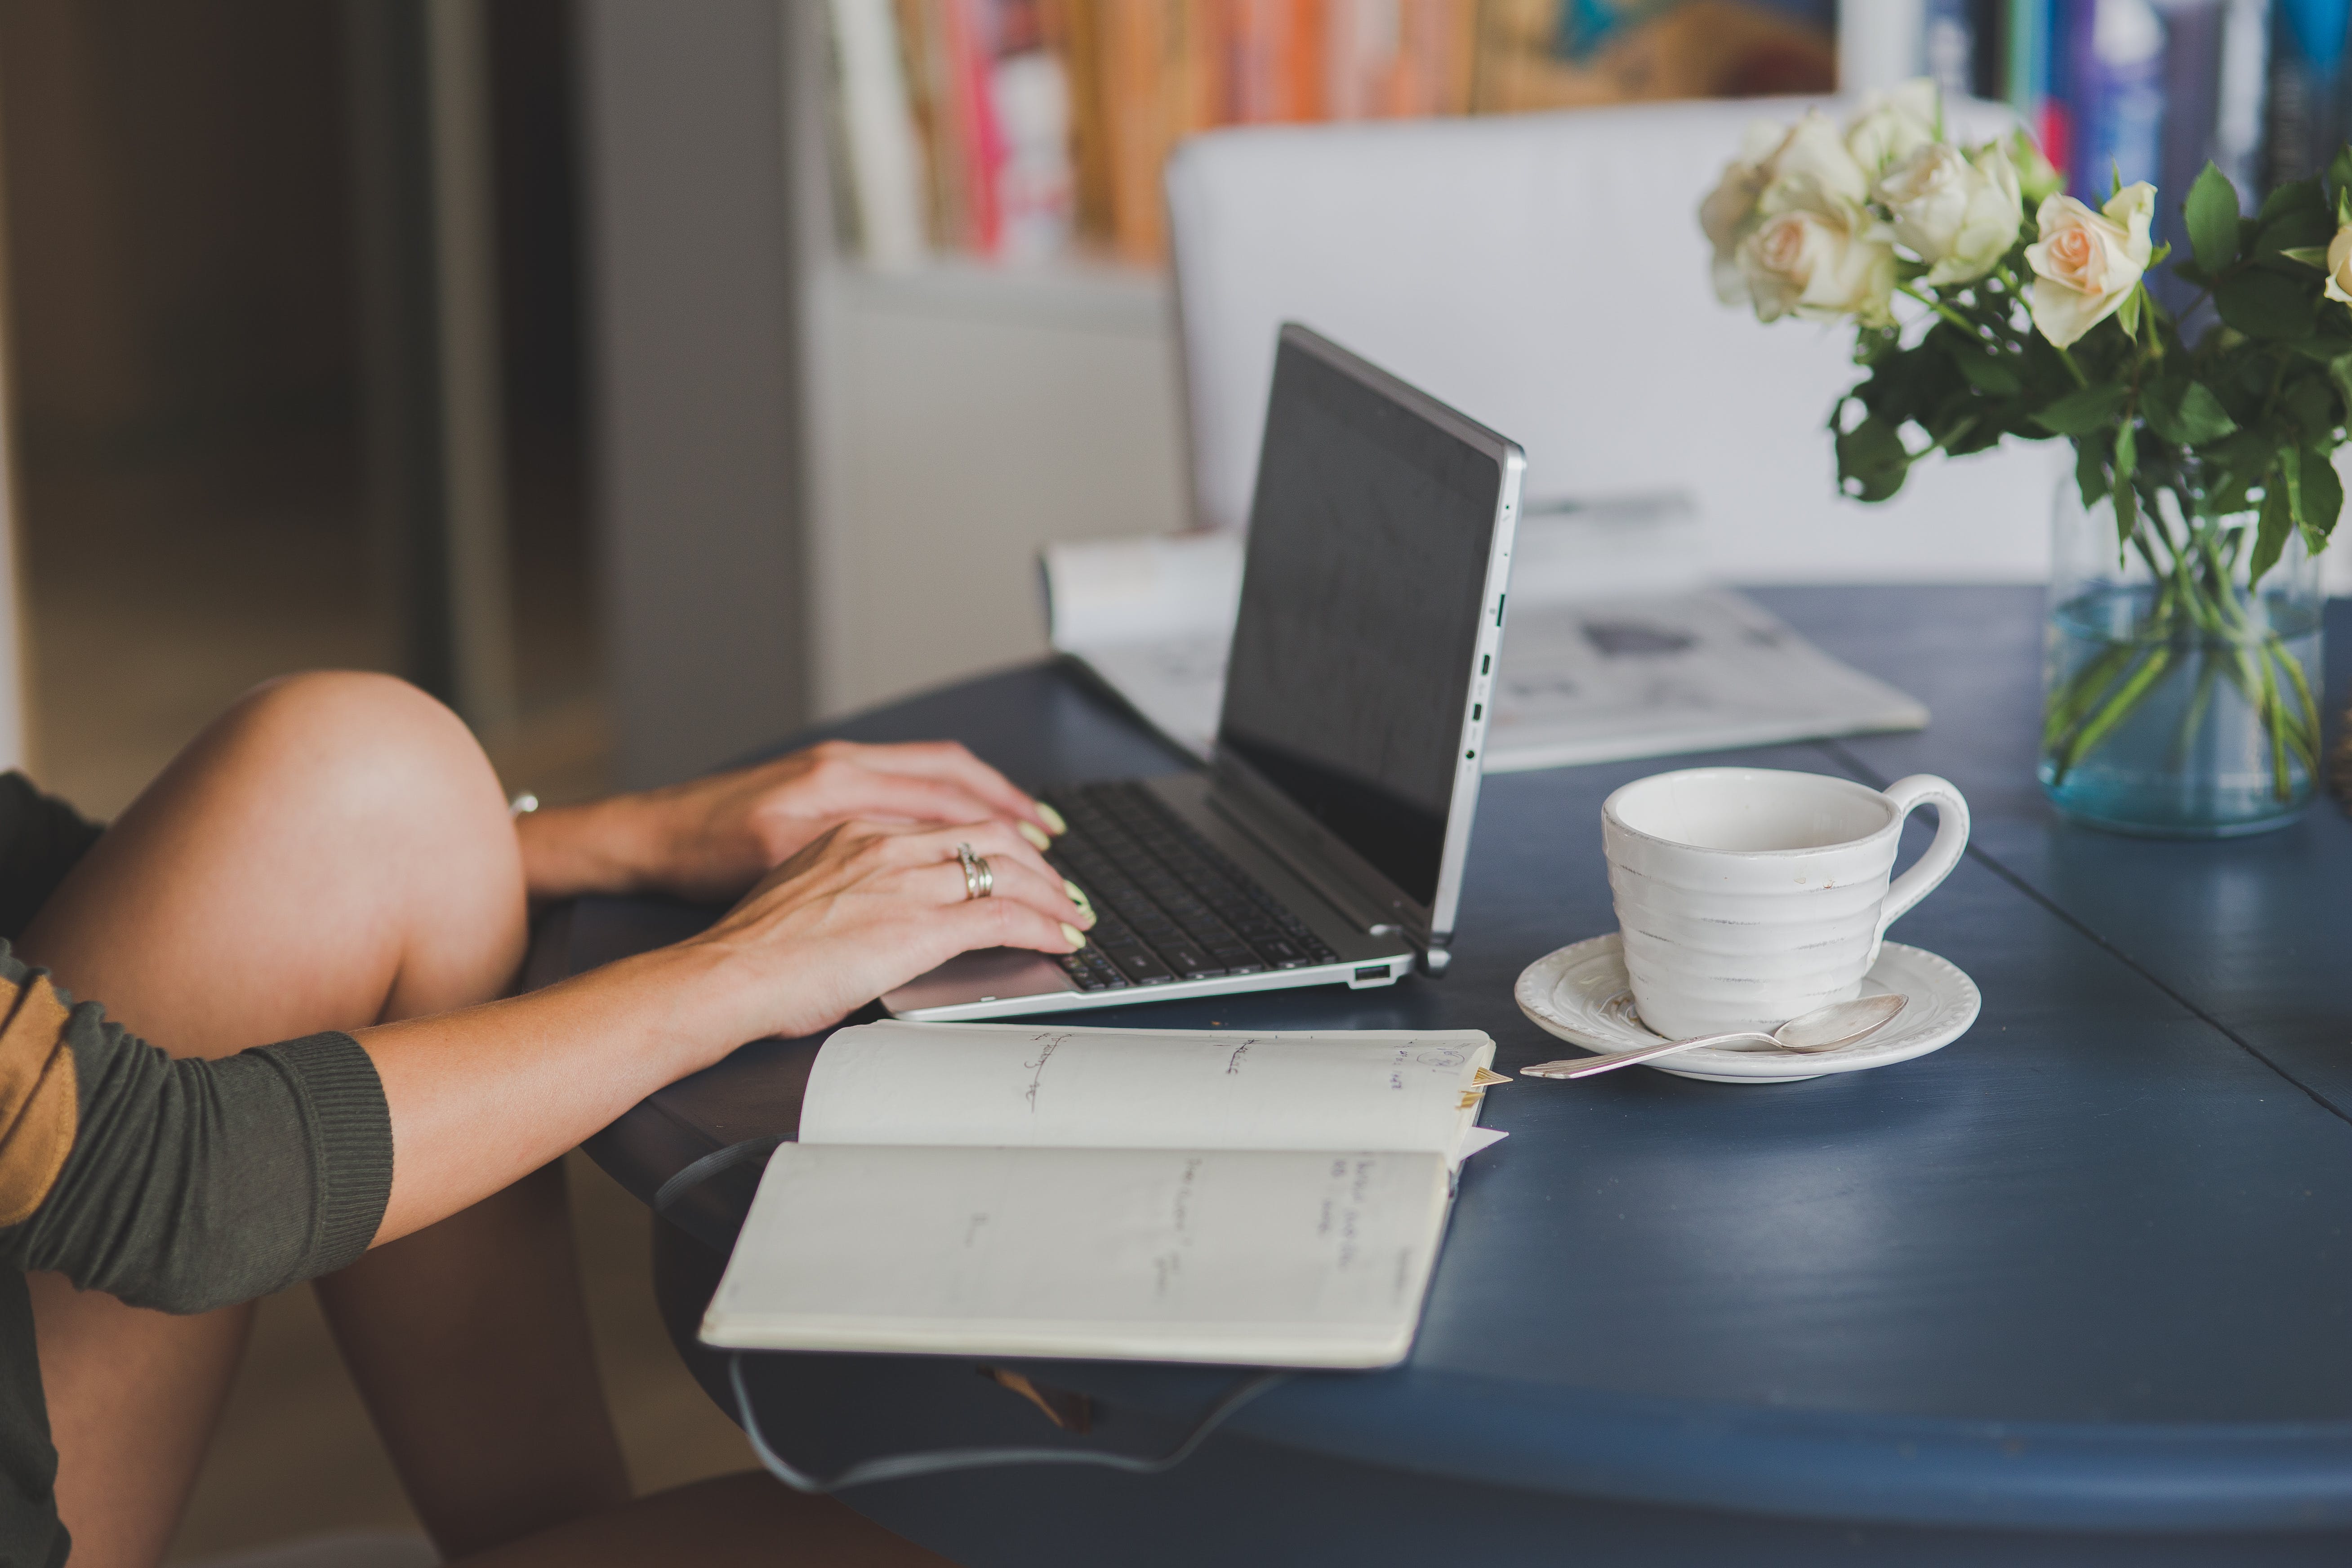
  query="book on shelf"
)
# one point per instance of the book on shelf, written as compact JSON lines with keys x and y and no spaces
{"x":1612,"y":649}
{"x":1271,"y":1199}
{"x":1042,"y":125}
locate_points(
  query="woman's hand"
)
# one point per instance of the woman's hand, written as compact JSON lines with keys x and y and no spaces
{"x":712,"y":838}
{"x":482,"y":1096}
{"x":871,"y":905}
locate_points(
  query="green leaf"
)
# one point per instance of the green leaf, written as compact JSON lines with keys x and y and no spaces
{"x":2090,"y":472}
{"x":2298,"y":229}
{"x":2126,"y":458}
{"x":2185,"y":413}
{"x":2265,"y":304}
{"x":2211,"y":212}
{"x":1987,"y":372}
{"x":2126,"y":504}
{"x":2311,"y":403}
{"x":1871,"y":459}
{"x":2323,"y":499}
{"x":2082,"y":411}
{"x":2308,"y":255}
{"x":2270,"y":537}
{"x":2289,"y":467}
{"x":2339,"y":171}
{"x":2127,"y":313}
{"x":2295,"y":195}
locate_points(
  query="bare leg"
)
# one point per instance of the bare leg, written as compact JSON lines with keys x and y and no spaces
{"x":735,"y":1521}
{"x":334,"y":852}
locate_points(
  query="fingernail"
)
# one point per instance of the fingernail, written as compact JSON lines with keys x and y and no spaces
{"x":1052,"y":818}
{"x":1029,"y":831}
{"x":1085,"y":906}
{"x":1074,"y":936}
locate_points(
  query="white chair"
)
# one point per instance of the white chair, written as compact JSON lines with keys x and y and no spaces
{"x":1546,"y":275}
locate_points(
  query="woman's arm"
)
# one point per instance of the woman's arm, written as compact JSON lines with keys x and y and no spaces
{"x":710,"y":838}
{"x":188,"y":1184}
{"x":480,"y":1098}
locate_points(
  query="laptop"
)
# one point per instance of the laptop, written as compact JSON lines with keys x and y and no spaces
{"x":1325,"y":842}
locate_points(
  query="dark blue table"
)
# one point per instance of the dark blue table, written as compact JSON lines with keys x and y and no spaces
{"x":2075,"y":1290}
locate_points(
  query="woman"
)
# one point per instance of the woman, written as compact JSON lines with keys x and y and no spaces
{"x":332,"y":866}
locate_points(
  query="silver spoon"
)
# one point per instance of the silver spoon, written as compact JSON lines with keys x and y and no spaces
{"x":1822,"y":1029}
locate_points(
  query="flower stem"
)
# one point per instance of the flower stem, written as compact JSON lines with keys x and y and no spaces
{"x":1943,"y":311}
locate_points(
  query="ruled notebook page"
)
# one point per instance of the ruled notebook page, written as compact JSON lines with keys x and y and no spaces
{"x":1234,"y":1256}
{"x":1029,"y":1085}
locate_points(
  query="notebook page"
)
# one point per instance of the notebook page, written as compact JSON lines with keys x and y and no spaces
{"x":1036,"y":1085}
{"x":1167,"y":1255}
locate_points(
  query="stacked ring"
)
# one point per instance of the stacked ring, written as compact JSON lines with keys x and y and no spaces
{"x":979,"y":881}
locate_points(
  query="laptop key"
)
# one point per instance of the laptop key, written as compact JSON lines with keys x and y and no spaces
{"x":1141,"y":966}
{"x":1190,"y":962}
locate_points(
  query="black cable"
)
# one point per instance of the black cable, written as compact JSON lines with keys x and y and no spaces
{"x":902,"y":1466}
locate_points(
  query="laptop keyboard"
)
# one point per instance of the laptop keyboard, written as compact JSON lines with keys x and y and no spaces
{"x":1170,"y":907}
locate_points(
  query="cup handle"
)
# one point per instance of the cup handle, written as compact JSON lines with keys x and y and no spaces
{"x":1951,"y":840}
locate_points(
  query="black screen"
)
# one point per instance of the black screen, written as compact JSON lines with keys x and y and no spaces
{"x":1366,"y":571}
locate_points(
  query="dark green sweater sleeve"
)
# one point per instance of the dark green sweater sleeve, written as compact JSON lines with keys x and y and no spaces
{"x":190,"y":1184}
{"x":40,"y":838}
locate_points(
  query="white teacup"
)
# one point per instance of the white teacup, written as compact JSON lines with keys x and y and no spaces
{"x":1749,"y":896}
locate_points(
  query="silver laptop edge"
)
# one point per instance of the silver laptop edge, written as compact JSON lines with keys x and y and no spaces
{"x":1375,"y":927}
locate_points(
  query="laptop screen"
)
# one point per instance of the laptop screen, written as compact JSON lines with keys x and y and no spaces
{"x":1365,"y":575}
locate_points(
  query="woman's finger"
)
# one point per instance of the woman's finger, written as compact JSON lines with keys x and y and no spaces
{"x":918,"y":799}
{"x":911,"y":845}
{"x":951,"y":762}
{"x":986,"y":922}
{"x":1006,"y":878}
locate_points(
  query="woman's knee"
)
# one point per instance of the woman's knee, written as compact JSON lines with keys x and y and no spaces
{"x":372,"y":745}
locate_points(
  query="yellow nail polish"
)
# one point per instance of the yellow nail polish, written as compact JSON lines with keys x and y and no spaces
{"x":1073,"y":935}
{"x":1029,"y":831}
{"x":1077,"y":894}
{"x":1052,"y":818}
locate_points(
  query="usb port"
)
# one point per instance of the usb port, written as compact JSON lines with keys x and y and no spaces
{"x":1486,"y":663}
{"x":1477,"y":711}
{"x":1370,"y":971}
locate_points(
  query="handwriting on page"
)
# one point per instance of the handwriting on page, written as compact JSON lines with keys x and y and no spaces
{"x":1168,"y":1268}
{"x":1046,"y":1045}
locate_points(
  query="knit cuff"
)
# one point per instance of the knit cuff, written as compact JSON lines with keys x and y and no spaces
{"x":351,"y":1137}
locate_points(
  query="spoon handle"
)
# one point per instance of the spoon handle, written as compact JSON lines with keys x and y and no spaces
{"x":1585,"y":1067}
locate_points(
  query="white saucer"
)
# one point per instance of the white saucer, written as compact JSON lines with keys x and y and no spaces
{"x":1580,"y":994}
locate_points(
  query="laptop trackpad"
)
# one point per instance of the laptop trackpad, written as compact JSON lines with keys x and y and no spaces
{"x":987,"y":975}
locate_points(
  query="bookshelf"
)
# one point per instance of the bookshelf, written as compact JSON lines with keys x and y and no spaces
{"x":960,"y":415}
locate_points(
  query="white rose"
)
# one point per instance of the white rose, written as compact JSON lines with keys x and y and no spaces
{"x":1729,"y":210}
{"x":1778,"y":168}
{"x":2087,"y":263}
{"x":1892,"y":126}
{"x":1958,"y":215}
{"x":1822,"y":263}
{"x":2339,"y":266}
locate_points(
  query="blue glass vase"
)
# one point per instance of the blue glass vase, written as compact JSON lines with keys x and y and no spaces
{"x":2180,"y":702}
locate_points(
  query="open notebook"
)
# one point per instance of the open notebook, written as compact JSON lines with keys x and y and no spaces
{"x":1271,"y":1199}
{"x":1655,"y":665}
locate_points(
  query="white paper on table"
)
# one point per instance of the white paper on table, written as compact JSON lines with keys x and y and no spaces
{"x":1613,"y":650}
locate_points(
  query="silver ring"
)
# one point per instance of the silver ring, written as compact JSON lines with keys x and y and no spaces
{"x":979,"y":881}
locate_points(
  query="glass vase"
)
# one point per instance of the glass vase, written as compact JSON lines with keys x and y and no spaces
{"x":2178,"y":701}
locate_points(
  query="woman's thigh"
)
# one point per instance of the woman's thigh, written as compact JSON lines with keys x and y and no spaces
{"x":332,"y":852}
